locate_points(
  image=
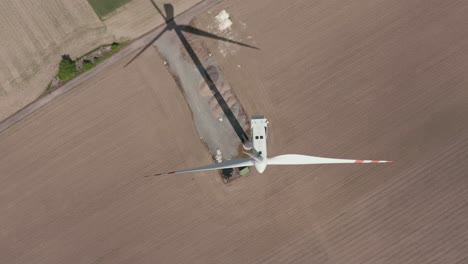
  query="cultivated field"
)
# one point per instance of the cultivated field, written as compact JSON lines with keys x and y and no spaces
{"x":139,"y":16}
{"x":361,"y":79}
{"x":33,"y":37}
{"x":104,"y":7}
{"x":72,"y":173}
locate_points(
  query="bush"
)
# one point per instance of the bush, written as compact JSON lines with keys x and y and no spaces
{"x":115,"y":46}
{"x":67,"y":68}
{"x":87,"y":65}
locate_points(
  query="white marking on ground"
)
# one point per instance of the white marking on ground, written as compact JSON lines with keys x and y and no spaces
{"x":224,"y":23}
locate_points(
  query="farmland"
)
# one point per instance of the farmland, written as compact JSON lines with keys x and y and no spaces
{"x":138,"y":17}
{"x":34,"y":36}
{"x":360,"y":79}
{"x":104,"y":7}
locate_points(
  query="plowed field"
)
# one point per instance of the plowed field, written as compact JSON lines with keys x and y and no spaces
{"x":360,"y":79}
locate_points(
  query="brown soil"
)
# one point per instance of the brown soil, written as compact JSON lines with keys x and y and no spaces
{"x":355,"y":79}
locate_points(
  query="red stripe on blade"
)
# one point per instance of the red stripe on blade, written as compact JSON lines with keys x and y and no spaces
{"x":359,"y":161}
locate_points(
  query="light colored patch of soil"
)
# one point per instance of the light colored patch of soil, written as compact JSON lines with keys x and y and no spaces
{"x":210,"y":120}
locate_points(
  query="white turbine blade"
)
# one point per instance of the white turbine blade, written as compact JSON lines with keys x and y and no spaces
{"x":294,"y":159}
{"x":236,"y":163}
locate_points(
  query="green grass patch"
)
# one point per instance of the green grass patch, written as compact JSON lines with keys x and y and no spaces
{"x":87,"y":65}
{"x":104,"y":7}
{"x":67,"y":68}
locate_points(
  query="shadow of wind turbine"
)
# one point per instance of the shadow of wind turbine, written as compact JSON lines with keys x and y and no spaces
{"x":172,"y":25}
{"x":196,"y":31}
{"x":179,"y":29}
{"x":145,"y":47}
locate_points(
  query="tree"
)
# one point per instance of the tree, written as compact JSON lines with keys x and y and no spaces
{"x":67,"y":68}
{"x":115,"y":45}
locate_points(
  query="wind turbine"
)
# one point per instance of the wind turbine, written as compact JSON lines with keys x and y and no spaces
{"x":259,"y":158}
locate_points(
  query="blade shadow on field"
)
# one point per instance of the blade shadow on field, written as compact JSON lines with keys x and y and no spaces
{"x":145,"y":47}
{"x":196,"y":31}
{"x":179,"y":29}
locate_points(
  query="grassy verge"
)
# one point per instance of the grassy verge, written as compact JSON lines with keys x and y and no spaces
{"x":68,"y":68}
{"x":114,"y":48}
{"x":104,"y":7}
